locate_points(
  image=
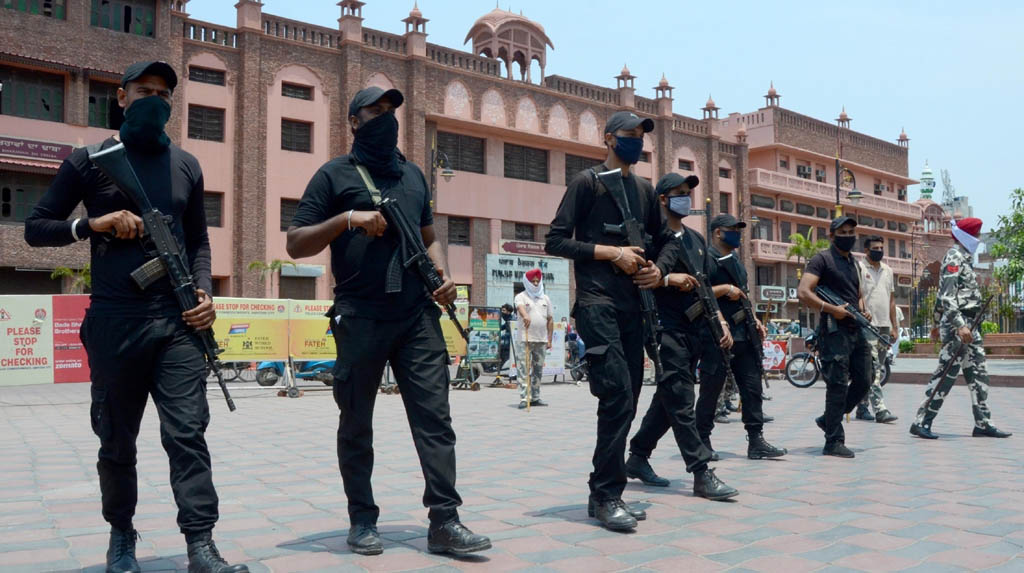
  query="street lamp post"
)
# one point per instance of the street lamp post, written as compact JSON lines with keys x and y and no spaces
{"x":854,"y":195}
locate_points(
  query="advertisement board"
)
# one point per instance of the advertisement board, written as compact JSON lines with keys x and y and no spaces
{"x":70,"y":363}
{"x":775,"y":355}
{"x":309,"y":331}
{"x":452,"y":339}
{"x":485,"y":325}
{"x":251,"y":329}
{"x":554,"y":359}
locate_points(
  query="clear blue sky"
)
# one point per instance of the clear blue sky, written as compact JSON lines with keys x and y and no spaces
{"x":951,"y":73}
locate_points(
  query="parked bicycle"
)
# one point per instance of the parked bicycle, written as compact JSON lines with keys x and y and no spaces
{"x":803,"y":371}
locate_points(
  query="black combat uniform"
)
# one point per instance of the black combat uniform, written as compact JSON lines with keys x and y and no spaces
{"x":607,"y":310}
{"x":842,"y":345}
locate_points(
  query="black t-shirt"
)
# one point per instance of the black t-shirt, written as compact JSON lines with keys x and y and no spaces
{"x":838,"y":273}
{"x":723,"y":269}
{"x":672,"y":302}
{"x":173,"y":182}
{"x":360,"y":263}
{"x":578,"y":227}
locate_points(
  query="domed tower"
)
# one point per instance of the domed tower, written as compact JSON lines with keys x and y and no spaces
{"x":927,"y":182}
{"x":510,"y":38}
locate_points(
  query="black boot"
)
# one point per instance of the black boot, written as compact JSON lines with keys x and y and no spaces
{"x":455,"y":538}
{"x":707,"y":485}
{"x":121,"y":552}
{"x":922,"y":431}
{"x":837,"y":449}
{"x":364,"y":540}
{"x":203,"y":556}
{"x":758,"y":448}
{"x":637,"y":467}
{"x":614,"y":515}
{"x":990,"y":432}
{"x":638,"y":514}
{"x":863,"y":413}
{"x":885,"y":417}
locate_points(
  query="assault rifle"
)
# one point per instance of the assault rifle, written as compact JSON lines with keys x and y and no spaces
{"x":158,"y":241}
{"x":749,"y":320}
{"x":828,"y":295}
{"x":708,"y":309}
{"x":630,"y":228}
{"x":415,"y":255}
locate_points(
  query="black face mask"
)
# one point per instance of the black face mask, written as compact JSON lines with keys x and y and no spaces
{"x":875,"y":255}
{"x":376,"y":145}
{"x":144,"y":122}
{"x":844,"y":244}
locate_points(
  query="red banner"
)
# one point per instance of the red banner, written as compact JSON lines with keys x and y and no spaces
{"x":775,"y":352}
{"x":70,"y":364}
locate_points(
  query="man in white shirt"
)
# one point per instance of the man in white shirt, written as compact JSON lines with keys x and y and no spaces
{"x":876,"y":290}
{"x":536,"y":317}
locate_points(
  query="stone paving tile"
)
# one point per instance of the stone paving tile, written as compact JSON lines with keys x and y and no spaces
{"x":950,"y":505}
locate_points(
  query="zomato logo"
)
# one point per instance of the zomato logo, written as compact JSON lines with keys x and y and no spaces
{"x":4,"y":315}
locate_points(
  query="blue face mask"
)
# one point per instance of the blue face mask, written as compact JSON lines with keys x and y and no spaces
{"x":731,"y":238}
{"x":629,"y":148}
{"x":679,"y":205}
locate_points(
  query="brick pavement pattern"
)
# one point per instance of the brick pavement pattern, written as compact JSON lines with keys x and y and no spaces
{"x":954,"y":504}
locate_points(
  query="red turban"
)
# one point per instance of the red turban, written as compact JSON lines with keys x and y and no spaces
{"x":533,"y":274}
{"x":970,"y":225}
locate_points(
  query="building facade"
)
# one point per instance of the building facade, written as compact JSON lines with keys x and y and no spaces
{"x":263,"y":105}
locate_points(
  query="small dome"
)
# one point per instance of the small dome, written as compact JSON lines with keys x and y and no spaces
{"x":843,"y":116}
{"x":664,"y":81}
{"x":927,"y":173}
{"x":496,"y":20}
{"x":710,"y":103}
{"x":903,"y":135}
{"x":625,"y":70}
{"x":415,"y":12}
{"x":771,"y":89}
{"x":742,"y":130}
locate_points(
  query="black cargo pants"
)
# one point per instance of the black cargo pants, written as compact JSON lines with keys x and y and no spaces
{"x":846,"y":368}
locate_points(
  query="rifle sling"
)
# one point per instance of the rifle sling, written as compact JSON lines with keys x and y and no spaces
{"x":393,"y":282}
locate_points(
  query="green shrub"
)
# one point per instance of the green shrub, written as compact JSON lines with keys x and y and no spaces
{"x":906,"y":346}
{"x":989,"y":327}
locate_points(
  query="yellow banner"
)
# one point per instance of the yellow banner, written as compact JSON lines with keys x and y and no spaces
{"x":251,"y":329}
{"x":452,"y":339}
{"x":310,"y":331}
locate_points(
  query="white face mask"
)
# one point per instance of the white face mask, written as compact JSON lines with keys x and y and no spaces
{"x":970,"y":242}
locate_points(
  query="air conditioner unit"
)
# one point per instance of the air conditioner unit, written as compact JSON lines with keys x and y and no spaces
{"x":792,"y":293}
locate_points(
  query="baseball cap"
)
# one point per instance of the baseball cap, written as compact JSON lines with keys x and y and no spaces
{"x":670,"y":181}
{"x":726,"y":220}
{"x":627,"y":120}
{"x":840,"y":221}
{"x":372,"y":95}
{"x":139,"y":69}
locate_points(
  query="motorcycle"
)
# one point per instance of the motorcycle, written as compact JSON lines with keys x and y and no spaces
{"x":268,"y":373}
{"x":802,"y":369}
{"x":575,"y":363}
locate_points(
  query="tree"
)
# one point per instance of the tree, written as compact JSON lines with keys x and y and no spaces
{"x":273,"y":268}
{"x":804,"y":248}
{"x":81,"y":279}
{"x":1008,"y":249}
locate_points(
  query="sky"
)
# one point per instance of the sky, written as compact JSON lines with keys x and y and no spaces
{"x":950,"y":73}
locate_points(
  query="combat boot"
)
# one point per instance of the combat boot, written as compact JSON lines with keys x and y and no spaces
{"x":637,"y":467}
{"x":614,"y":515}
{"x":922,"y":431}
{"x":707,"y":485}
{"x":885,"y":417}
{"x":455,"y":538}
{"x":990,"y":432}
{"x":638,"y":514}
{"x":758,"y":448}
{"x":121,"y":552}
{"x":203,"y":556}
{"x":863,"y":413}
{"x":837,"y":449}
{"x":364,"y":539}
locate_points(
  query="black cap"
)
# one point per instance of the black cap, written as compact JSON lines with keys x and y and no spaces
{"x":726,"y":220}
{"x":372,"y":95}
{"x":139,"y":69}
{"x":627,"y":120}
{"x":840,"y":221}
{"x":670,"y":181}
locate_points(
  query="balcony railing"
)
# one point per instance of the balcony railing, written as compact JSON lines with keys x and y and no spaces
{"x":212,"y":33}
{"x":581,"y":89}
{"x":775,"y":251}
{"x":690,"y":125}
{"x":799,"y":187}
{"x":463,"y":60}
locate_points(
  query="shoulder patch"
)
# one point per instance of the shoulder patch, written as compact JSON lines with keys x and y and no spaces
{"x":952,"y":268}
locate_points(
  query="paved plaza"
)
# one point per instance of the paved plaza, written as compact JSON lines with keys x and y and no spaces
{"x":953,"y":504}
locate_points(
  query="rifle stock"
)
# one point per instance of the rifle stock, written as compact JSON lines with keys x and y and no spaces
{"x":113,"y":162}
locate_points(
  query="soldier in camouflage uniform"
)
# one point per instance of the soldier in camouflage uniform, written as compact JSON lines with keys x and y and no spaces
{"x":959,"y":301}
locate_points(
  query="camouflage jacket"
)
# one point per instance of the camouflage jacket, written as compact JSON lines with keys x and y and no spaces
{"x":959,"y":293}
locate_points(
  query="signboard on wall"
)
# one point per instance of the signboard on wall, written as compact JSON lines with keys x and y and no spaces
{"x":34,"y":149}
{"x":773,"y":293}
{"x":528,"y":248}
{"x":505,"y":274}
{"x":26,"y":340}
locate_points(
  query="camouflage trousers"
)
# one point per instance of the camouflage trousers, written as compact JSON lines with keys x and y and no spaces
{"x":729,"y":391}
{"x":537,"y":352}
{"x":879,"y":350}
{"x":975,"y":372}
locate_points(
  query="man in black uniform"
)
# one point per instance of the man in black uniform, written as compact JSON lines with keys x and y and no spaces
{"x":607,"y":310}
{"x":729,"y":278}
{"x":383,"y":312}
{"x":683,"y":343}
{"x":845,"y":354}
{"x":139,"y":342}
